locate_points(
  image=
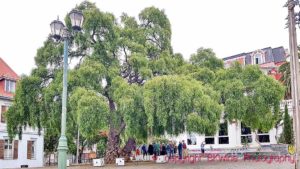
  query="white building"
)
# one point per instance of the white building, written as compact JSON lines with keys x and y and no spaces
{"x":29,"y":150}
{"x":232,"y":136}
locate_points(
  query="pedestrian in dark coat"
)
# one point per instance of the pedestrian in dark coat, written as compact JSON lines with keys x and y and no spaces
{"x":180,"y":150}
{"x":163,"y":150}
{"x":144,"y":150}
{"x":150,"y":149}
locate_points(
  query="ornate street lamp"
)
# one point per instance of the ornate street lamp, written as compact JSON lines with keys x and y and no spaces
{"x":57,"y":29}
{"x":76,"y":17}
{"x":60,"y":32}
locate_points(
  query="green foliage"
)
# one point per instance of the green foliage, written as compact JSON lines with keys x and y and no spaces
{"x":249,"y":96}
{"x":160,"y":140}
{"x":25,"y":111}
{"x":101,"y":147}
{"x":206,"y":58}
{"x":284,"y":69}
{"x":91,"y":111}
{"x":127,"y":80}
{"x":157,"y":30}
{"x":105,"y":88}
{"x":288,"y":135}
{"x":170,"y":100}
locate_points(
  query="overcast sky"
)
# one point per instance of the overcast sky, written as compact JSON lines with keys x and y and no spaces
{"x":228,"y":27}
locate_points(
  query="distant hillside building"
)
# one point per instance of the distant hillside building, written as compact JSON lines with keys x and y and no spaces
{"x":269,"y":59}
{"x":15,"y":153}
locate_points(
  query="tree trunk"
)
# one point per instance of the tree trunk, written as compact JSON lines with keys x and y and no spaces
{"x":113,"y":140}
{"x":49,"y":159}
{"x":113,"y":146}
{"x":77,"y":146}
{"x":129,"y":147}
{"x":276,"y":134}
{"x":257,"y":140}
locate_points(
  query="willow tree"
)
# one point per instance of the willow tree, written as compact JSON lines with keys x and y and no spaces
{"x":250,"y":96}
{"x":112,"y":61}
{"x":175,"y":104}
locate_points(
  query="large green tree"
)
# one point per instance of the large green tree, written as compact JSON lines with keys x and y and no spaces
{"x":106,"y":88}
{"x":250,"y":96}
{"x":127,"y":80}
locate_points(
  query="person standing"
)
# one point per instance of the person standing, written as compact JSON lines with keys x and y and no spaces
{"x":172,"y":149}
{"x":144,"y":151}
{"x":150,"y":149}
{"x":168,"y":149}
{"x":185,"y":151}
{"x":180,"y":150}
{"x":203,"y":147}
{"x":175,"y":147}
{"x":163,"y":149}
{"x":156,"y":147}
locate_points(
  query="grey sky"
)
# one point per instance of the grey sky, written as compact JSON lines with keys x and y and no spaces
{"x":227,"y":26}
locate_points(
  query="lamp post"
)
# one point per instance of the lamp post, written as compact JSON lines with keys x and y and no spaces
{"x":294,"y":66}
{"x":60,"y":33}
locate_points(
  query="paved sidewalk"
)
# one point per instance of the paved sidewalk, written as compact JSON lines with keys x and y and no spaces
{"x":199,"y":165}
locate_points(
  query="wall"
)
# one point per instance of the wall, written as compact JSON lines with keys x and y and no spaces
{"x":28,"y":134}
{"x":234,"y":134}
{"x":22,"y":152}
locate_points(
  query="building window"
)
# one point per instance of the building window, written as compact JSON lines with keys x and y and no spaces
{"x":223,"y":134}
{"x":3,"y":110}
{"x":31,"y":149}
{"x":246,"y":136}
{"x":258,"y":58}
{"x":191,"y":140}
{"x":10,"y":86}
{"x":209,"y":140}
{"x":8,"y":149}
{"x":263,"y":137}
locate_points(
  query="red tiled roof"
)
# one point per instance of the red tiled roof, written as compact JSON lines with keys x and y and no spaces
{"x":6,"y":71}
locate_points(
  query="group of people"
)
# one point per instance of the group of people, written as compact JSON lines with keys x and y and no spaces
{"x":157,"y":149}
{"x":169,"y":149}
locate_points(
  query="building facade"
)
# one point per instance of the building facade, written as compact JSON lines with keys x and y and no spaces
{"x":237,"y":135}
{"x":16,"y":153}
{"x":268,"y":59}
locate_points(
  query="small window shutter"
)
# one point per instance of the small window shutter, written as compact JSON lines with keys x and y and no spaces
{"x":15,"y":155}
{"x":3,"y":110}
{"x":1,"y":149}
{"x":29,"y":144}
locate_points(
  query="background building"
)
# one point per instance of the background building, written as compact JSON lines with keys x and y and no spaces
{"x":268,"y":59}
{"x":235,"y":135}
{"x":15,"y":153}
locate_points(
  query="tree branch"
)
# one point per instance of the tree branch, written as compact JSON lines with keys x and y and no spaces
{"x":122,"y":127}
